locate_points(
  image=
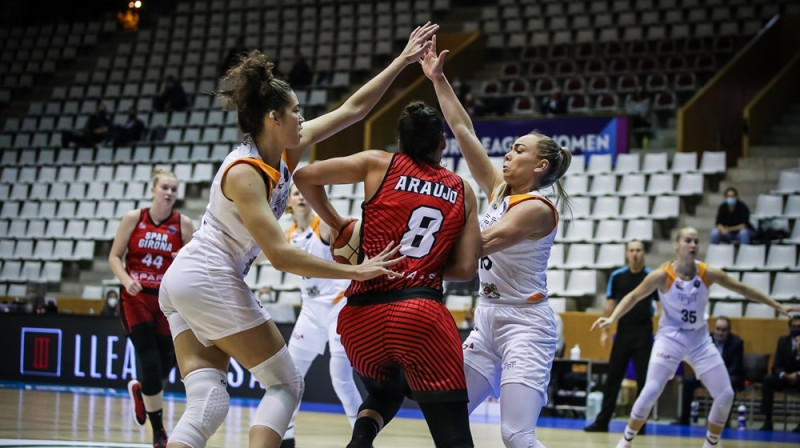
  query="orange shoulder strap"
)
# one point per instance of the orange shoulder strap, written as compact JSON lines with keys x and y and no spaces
{"x":669,"y":268}
{"x":268,"y":173}
{"x":701,"y":271}
{"x":515,"y":199}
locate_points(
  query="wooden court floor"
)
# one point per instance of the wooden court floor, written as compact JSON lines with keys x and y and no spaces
{"x":67,"y":419}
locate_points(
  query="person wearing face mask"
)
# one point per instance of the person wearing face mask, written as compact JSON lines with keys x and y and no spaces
{"x":110,"y":307}
{"x":733,"y":220}
{"x":785,"y":371}
{"x":131,"y":131}
{"x":731,"y":347}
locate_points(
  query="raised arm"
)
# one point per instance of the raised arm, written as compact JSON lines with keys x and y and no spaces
{"x":653,"y":281}
{"x":715,"y":275}
{"x":361,"y":103}
{"x":245,"y":187}
{"x":462,"y":264}
{"x":487,"y":176}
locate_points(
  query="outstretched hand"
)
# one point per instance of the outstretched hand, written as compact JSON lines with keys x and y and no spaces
{"x":418,"y":42}
{"x":433,"y":64}
{"x":789,"y":310}
{"x":377,"y":265}
{"x":603,"y":322}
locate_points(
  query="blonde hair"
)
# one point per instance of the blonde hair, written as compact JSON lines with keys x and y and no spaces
{"x":158,"y":173}
{"x":685,"y":229}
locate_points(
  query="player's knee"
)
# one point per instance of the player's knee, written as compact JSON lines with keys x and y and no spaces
{"x":150,"y":374}
{"x":726,"y":396}
{"x":518,"y":438}
{"x":207,"y":403}
{"x":285,"y":387}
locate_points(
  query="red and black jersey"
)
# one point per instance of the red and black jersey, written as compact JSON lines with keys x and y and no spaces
{"x":420,"y":207}
{"x":150,"y":248}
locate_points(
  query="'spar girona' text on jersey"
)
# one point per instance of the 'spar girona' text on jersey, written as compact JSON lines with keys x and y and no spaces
{"x":156,"y":241}
{"x":419,"y":186}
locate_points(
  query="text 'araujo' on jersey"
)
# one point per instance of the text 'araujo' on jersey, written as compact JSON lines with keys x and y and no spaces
{"x":420,"y":207}
{"x":150,"y":248}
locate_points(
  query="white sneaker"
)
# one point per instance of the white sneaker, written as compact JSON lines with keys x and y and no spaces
{"x":706,"y":444}
{"x":623,"y":443}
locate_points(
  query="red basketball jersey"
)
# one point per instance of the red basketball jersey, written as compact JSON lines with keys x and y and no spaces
{"x":150,"y":248}
{"x":420,"y":207}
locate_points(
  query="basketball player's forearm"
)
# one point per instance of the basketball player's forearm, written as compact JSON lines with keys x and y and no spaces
{"x":115,"y":263}
{"x":757,"y":296}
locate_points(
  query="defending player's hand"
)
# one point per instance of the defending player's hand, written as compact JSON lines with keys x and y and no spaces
{"x":433,"y":64}
{"x":418,"y":42}
{"x":377,"y":265}
{"x":791,"y":310}
{"x":603,"y":322}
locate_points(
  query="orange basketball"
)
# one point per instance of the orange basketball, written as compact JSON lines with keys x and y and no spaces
{"x":346,"y":248}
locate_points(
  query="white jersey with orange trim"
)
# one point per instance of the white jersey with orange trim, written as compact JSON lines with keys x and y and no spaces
{"x":684,"y":303}
{"x":517,"y":274}
{"x":222,"y":232}
{"x":310,"y":241}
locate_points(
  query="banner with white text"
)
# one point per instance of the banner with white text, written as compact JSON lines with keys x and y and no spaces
{"x":581,"y":135}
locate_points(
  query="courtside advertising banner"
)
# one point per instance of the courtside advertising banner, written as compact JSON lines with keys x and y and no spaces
{"x":581,"y":135}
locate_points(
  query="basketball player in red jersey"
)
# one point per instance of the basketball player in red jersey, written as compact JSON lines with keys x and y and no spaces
{"x":149,"y":238}
{"x":396,"y":331}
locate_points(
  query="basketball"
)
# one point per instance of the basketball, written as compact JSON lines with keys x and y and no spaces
{"x":346,"y":248}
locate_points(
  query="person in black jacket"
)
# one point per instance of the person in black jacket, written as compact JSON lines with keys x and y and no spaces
{"x":785,"y":371}
{"x":634,"y":339}
{"x":95,"y":131}
{"x":731,"y":347}
{"x":733,"y":220}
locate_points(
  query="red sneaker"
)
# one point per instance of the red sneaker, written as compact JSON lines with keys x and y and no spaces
{"x":160,"y":439}
{"x":135,"y":391}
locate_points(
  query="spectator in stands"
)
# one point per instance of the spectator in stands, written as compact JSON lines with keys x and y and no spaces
{"x":110,"y":306}
{"x":733,"y":220}
{"x":233,"y":56}
{"x":640,"y":108}
{"x":556,"y":104}
{"x":461,"y":89}
{"x":634,"y":339}
{"x":472,"y":105}
{"x":785,"y":371}
{"x":731,"y":347}
{"x":94,"y":132}
{"x":300,"y":75}
{"x":131,"y":131}
{"x":173,"y":97}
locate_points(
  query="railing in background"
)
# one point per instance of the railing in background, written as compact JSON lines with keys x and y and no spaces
{"x":769,"y":105}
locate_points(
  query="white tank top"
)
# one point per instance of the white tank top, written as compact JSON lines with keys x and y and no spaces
{"x":684,"y":303}
{"x":321,"y":289}
{"x":222,"y":232}
{"x":515,"y":275}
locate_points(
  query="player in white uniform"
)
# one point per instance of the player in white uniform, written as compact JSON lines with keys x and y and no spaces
{"x":683,"y":333}
{"x":322,"y":300}
{"x":510,"y":352}
{"x":213,"y":315}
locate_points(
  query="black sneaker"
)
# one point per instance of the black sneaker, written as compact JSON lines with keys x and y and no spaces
{"x":596,"y":427}
{"x":287,"y":443}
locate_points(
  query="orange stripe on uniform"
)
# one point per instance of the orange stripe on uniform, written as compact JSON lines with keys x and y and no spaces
{"x":538,"y":297}
{"x":290,"y":164}
{"x":515,"y":199}
{"x":266,"y":171}
{"x":671,"y":275}
{"x":701,"y":271}
{"x":338,"y":298}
